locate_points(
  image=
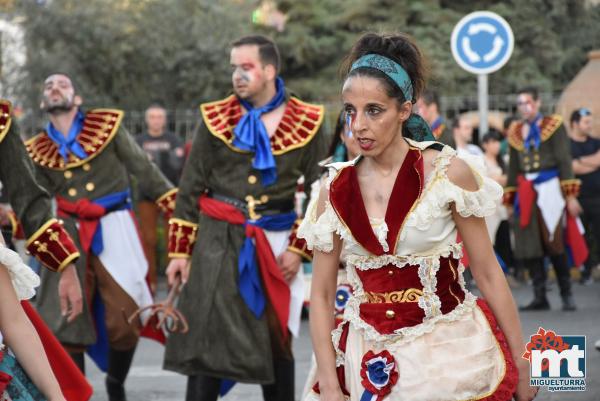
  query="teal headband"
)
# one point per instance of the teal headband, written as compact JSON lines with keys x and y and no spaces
{"x":389,"y":68}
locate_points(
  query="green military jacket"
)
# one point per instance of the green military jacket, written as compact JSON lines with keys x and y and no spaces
{"x":443,"y":134}
{"x":31,"y":203}
{"x":112,"y":155}
{"x":226,"y":340}
{"x":553,"y":153}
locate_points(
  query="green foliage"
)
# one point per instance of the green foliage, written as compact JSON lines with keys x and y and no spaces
{"x":551,"y":40}
{"x":126,"y":53}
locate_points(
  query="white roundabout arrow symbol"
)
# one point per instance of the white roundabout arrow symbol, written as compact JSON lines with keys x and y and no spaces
{"x":477,"y":27}
{"x":471,"y":55}
{"x":496,"y":49}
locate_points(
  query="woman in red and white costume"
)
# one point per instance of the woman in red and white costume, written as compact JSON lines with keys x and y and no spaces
{"x":411,"y":330}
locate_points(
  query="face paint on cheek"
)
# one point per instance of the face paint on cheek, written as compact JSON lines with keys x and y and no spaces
{"x":245,"y":76}
{"x":349,"y":121}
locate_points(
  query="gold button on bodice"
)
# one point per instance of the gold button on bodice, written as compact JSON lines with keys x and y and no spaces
{"x":68,"y":174}
{"x":391,"y":272}
{"x":90,"y":186}
{"x":340,"y":297}
{"x":72,"y":192}
{"x":390,"y":314}
{"x":252,"y":179}
{"x":86,"y":167}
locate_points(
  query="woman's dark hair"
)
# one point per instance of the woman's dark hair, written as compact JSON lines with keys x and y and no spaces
{"x":398,"y":47}
{"x":337,"y":135}
{"x":494,"y":135}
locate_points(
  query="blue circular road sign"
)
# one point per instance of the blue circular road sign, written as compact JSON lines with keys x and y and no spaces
{"x":482,"y":42}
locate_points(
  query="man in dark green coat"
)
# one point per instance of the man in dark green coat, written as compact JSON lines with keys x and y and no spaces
{"x":540,"y":187}
{"x":46,"y":238}
{"x":84,"y":159}
{"x":237,"y":192}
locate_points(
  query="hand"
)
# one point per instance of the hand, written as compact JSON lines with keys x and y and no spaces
{"x":178,"y":266}
{"x":289,"y":263}
{"x":524,"y":392}
{"x":334,"y":394}
{"x":573,"y":207}
{"x":69,"y":292}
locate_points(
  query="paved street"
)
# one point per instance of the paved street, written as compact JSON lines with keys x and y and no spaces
{"x":147,"y":382}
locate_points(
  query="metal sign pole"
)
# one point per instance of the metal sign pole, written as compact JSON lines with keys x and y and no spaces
{"x":482,"y":91}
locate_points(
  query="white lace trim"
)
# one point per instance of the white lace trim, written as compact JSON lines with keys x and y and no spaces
{"x":366,"y":262}
{"x":24,"y":280}
{"x":429,"y":301}
{"x":440,"y":191}
{"x":336,"y":335}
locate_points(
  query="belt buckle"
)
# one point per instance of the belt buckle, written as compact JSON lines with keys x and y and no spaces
{"x":252,"y":203}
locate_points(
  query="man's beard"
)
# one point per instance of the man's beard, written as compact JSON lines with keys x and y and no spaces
{"x":64,"y":106}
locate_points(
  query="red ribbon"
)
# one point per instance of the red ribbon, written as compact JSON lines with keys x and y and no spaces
{"x":88,"y":215}
{"x":278,"y":290}
{"x":527,"y":195}
{"x":574,"y":239}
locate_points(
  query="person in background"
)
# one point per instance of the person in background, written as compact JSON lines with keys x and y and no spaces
{"x":428,"y":107}
{"x":166,"y":150}
{"x":585,"y":150}
{"x":462,"y":133}
{"x":540,"y":187}
{"x":498,"y":226}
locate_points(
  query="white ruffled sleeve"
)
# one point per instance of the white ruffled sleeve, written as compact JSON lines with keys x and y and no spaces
{"x":24,"y":280}
{"x":318,"y":232}
{"x":482,"y":202}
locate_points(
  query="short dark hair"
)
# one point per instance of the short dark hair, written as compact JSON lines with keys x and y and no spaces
{"x":578,"y":113}
{"x":74,"y":84}
{"x":492,"y":135}
{"x":530,"y":90}
{"x":456,"y":121}
{"x":430,"y":97}
{"x":267,"y":49}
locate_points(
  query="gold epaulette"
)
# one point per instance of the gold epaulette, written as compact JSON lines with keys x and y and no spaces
{"x":5,"y":119}
{"x":548,"y":127}
{"x":550,"y":124}
{"x":99,"y":128}
{"x":299,"y":124}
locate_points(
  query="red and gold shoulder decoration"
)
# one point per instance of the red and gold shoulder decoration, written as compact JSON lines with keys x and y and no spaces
{"x":99,"y":127}
{"x":5,"y":119}
{"x":548,"y":127}
{"x":299,"y":124}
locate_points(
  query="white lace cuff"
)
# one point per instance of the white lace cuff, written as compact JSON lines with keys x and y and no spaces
{"x":24,"y":280}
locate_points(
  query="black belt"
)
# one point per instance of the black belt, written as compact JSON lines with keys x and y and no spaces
{"x":260,"y":204}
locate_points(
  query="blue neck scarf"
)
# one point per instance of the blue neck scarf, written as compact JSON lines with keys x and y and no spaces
{"x":534,"y":134}
{"x":251,"y":135}
{"x":69,"y":144}
{"x":437,"y":123}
